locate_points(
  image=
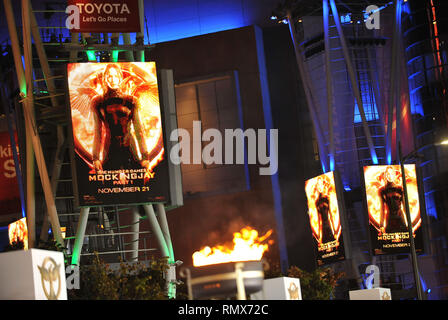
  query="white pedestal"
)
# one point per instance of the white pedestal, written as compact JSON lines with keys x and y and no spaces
{"x":283,"y":288}
{"x":371,"y":294}
{"x":32,"y":275}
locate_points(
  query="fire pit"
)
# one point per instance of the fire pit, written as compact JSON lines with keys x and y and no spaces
{"x":225,"y":280}
{"x":226,"y":270}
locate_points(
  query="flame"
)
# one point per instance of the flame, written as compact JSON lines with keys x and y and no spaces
{"x":376,"y":178}
{"x":247,"y":246}
{"x":18,"y":232}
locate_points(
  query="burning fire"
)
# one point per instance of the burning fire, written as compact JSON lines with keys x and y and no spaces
{"x":18,"y":232}
{"x":247,"y":246}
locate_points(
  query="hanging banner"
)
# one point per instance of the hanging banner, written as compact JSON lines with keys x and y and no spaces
{"x":120,"y":16}
{"x":119,"y":153}
{"x":18,"y":233}
{"x":388,"y":226}
{"x":9,"y":187}
{"x":325,"y":213}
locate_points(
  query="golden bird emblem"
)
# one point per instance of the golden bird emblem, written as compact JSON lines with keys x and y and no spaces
{"x":50,"y":274}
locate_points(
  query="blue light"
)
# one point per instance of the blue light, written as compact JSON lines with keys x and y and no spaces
{"x":324,"y":169}
{"x":389,"y":157}
{"x":346,"y":18}
{"x":273,"y":17}
{"x":331,"y":162}
{"x":347,"y":188}
{"x":173,"y":20}
{"x":374,"y":158}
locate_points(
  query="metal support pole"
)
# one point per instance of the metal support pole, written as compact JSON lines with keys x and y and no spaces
{"x":55,"y":173}
{"x":241,"y":291}
{"x":140,"y":37}
{"x":393,"y":83}
{"x":311,"y":102}
{"x":171,"y":275}
{"x":28,"y":110}
{"x":43,"y":58}
{"x":186,"y":273}
{"x":327,"y":51}
{"x":353,"y":81}
{"x":135,"y":228}
{"x":127,"y":40}
{"x":80,"y":232}
{"x":165,"y":252}
{"x":157,"y":231}
{"x":418,"y":284}
{"x":74,"y":54}
{"x":160,"y":207}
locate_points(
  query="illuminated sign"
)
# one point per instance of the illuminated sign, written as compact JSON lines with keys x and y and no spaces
{"x":324,"y":210}
{"x":388,"y":226}
{"x":9,"y":187}
{"x":117,"y":134}
{"x":103,"y":16}
{"x":18,"y":233}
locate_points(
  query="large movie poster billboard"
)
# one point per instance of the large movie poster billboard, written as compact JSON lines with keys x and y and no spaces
{"x":325,"y":214}
{"x":117,"y":133}
{"x":388,"y":226}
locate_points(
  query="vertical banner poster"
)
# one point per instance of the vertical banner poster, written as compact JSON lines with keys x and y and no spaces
{"x":9,"y":187}
{"x":388,"y":226}
{"x":324,"y":210}
{"x":116,"y":119}
{"x":18,"y":233}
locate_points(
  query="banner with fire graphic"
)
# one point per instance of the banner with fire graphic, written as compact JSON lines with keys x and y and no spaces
{"x":388,"y":225}
{"x":18,"y":233}
{"x":117,"y":133}
{"x":325,"y":214}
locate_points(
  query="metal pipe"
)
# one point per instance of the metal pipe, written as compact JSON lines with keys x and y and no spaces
{"x":140,"y":37}
{"x":55,"y":173}
{"x":353,"y":81}
{"x":165,"y":229}
{"x":28,"y":110}
{"x":127,"y":41}
{"x":165,"y":252}
{"x":393,"y":79}
{"x":241,"y":291}
{"x":157,"y":231}
{"x":135,"y":228}
{"x":327,"y":51}
{"x":414,"y":260}
{"x":80,"y":232}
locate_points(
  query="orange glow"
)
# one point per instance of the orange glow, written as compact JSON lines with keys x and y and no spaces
{"x":18,"y":232}
{"x":140,"y":81}
{"x":319,"y":186}
{"x":246,"y":246}
{"x":376,"y":178}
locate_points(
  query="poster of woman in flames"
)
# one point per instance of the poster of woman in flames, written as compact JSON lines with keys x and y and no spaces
{"x":323,"y":211}
{"x":386,"y":207}
{"x":117,"y":128}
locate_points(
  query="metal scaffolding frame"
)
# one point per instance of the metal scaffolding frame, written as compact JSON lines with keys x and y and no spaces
{"x":34,"y":149}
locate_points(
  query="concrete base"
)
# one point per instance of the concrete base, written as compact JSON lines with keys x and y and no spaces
{"x":283,"y":288}
{"x":371,"y":294}
{"x":32,"y":275}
